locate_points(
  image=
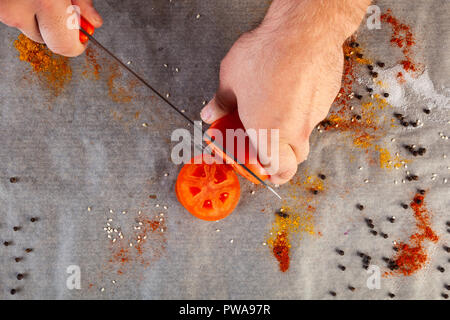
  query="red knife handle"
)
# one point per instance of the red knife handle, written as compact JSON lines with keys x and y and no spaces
{"x":89,"y":28}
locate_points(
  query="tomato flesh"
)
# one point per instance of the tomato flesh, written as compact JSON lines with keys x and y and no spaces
{"x":232,"y":121}
{"x":208,"y":191}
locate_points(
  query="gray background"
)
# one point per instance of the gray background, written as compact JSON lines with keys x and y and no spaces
{"x":70,"y":153}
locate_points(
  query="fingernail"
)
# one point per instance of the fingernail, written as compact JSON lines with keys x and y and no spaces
{"x":205,"y":114}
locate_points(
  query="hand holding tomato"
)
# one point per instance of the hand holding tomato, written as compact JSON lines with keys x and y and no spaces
{"x":286,"y":73}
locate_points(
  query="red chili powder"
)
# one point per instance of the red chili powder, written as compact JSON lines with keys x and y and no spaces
{"x":412,"y":256}
{"x":403,"y":38}
{"x":149,"y":245}
{"x":281,"y":251}
{"x":92,"y":65}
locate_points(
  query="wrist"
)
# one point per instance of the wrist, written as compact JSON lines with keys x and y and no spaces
{"x":321,"y":19}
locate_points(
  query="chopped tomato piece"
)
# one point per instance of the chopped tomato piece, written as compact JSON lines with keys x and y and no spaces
{"x":208,"y":191}
{"x":249,"y":158}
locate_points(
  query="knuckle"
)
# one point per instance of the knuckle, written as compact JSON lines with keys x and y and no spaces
{"x":286,"y":174}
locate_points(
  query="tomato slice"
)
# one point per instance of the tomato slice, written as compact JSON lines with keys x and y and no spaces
{"x":232,"y":121}
{"x":208,"y":191}
{"x":89,"y":28}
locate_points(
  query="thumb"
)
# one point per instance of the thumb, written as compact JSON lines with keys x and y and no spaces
{"x":223,"y":103}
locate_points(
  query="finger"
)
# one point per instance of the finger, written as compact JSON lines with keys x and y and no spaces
{"x":52,"y":17}
{"x":287,"y":165}
{"x":14,"y":14}
{"x":223,"y":103}
{"x":31,"y":30}
{"x":88,"y":11}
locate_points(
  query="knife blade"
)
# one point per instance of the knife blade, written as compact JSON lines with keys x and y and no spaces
{"x":177,"y":110}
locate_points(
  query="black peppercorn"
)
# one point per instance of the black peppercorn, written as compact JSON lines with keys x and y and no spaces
{"x":13,"y":291}
{"x":421,"y":191}
{"x":391,"y":295}
{"x":373,"y":232}
{"x":446,"y":248}
{"x":16,"y":228}
{"x":351,"y":288}
{"x":340,"y":252}
{"x":444,"y":295}
{"x":20,"y":276}
{"x":398,"y":116}
{"x":447,"y":286}
{"x":370,"y":67}
{"x":358,"y":96}
{"x":405,"y":206}
{"x":380,"y":64}
{"x":385,"y":94}
{"x":391,"y":219}
{"x":333,"y":293}
{"x":33,"y":219}
{"x":342,"y":267}
{"x":13,"y":179}
{"x":18,"y":259}
{"x":6,"y":243}
{"x":28,"y":250}
{"x":427,"y":111}
{"x":282,"y":214}
{"x":441,"y":269}
{"x":322,"y":176}
{"x":360,"y":206}
{"x":374,"y":74}
{"x":369,"y":89}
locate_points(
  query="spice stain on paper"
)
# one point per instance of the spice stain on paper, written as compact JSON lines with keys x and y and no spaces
{"x":52,"y":70}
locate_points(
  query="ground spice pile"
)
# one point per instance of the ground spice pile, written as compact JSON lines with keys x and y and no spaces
{"x":412,"y":256}
{"x":281,"y":251}
{"x":403,"y":38}
{"x":295,"y":218}
{"x":53,"y":70}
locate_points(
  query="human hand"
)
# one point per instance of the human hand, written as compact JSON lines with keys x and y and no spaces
{"x":45,"y":21}
{"x":286,"y":74}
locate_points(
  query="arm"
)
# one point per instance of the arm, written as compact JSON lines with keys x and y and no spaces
{"x":286,"y":74}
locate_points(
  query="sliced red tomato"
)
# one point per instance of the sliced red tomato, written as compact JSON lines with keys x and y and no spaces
{"x":208,"y":191}
{"x":232,"y":121}
{"x":89,"y":28}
